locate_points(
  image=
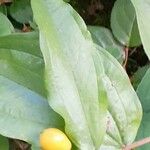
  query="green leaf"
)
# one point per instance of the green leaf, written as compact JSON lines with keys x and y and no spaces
{"x":143,"y":92}
{"x":3,"y":9}
{"x":70,"y":57}
{"x":24,"y":113}
{"x":3,"y":143}
{"x":22,"y":60}
{"x":142,"y":9}
{"x":104,"y":38}
{"x":75,"y":88}
{"x":5,"y":25}
{"x":27,"y":42}
{"x":21,"y":11}
{"x":124,"y":109}
{"x":124,"y":24}
{"x":138,"y":76}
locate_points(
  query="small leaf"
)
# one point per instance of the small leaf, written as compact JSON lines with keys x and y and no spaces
{"x":142,"y":9}
{"x":5,"y":25}
{"x":104,"y":38}
{"x":21,"y":11}
{"x":124,"y":24}
{"x":143,"y":92}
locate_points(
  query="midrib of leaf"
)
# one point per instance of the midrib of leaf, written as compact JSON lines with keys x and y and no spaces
{"x":76,"y":88}
{"x":113,"y":116}
{"x":118,"y":130}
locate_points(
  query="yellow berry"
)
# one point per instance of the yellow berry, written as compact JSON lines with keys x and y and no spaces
{"x":54,"y":139}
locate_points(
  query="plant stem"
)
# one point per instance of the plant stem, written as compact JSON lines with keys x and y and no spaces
{"x":137,"y":144}
{"x":126,"y":50}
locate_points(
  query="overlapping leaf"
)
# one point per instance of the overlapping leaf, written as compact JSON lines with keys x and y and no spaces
{"x":123,"y":121}
{"x":104,"y":38}
{"x":77,"y":79}
{"x":23,"y":112}
{"x":21,"y":11}
{"x":5,"y":25}
{"x":143,"y":92}
{"x":75,"y":90}
{"x":142,"y":9}
{"x":138,"y":75}
{"x":124,"y":24}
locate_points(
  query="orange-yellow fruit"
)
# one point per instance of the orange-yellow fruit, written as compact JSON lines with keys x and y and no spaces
{"x":54,"y":139}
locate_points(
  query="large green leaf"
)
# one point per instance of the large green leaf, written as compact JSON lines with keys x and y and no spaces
{"x":5,"y":25}
{"x":124,"y":24}
{"x":24,"y":113}
{"x":124,"y":109}
{"x":142,"y":9}
{"x":75,"y":88}
{"x":21,"y":11}
{"x":77,"y":75}
{"x":104,"y":38}
{"x":3,"y":143}
{"x":143,"y":92}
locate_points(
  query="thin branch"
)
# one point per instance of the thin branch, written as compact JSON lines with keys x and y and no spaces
{"x":137,"y":144}
{"x":126,"y":50}
{"x":133,"y":51}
